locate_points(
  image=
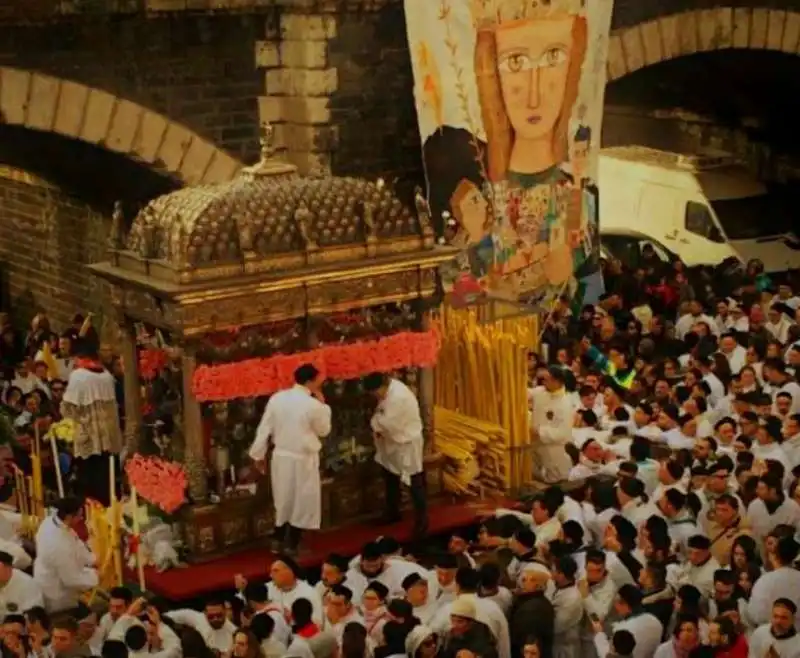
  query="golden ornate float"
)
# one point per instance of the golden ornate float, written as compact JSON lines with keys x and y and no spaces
{"x":270,"y":263}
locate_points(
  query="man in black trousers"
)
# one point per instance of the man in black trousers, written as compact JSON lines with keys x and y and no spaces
{"x":397,"y":426}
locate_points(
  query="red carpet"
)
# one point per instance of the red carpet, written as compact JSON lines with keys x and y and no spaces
{"x":254,"y":564}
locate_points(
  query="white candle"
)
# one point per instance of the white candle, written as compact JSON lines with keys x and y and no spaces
{"x":139,"y":564}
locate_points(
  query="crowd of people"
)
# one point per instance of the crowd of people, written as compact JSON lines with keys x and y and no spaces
{"x":35,"y":367}
{"x":668,"y":415}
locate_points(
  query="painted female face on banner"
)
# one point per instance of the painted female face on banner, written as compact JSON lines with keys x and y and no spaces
{"x":528,"y":74}
{"x":533,"y":62}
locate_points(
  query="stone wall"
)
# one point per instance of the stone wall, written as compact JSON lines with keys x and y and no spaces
{"x":683,"y":131}
{"x":339,"y":88}
{"x":46,"y":236}
{"x":198,"y":70}
{"x":628,"y":13}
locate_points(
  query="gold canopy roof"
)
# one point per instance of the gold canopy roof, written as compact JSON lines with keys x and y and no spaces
{"x":259,"y":217}
{"x":268,"y":245}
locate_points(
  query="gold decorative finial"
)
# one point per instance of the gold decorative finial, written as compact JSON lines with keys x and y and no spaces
{"x":269,"y":164}
{"x":423,"y":212}
{"x":302,"y":220}
{"x":116,"y":237}
{"x":267,"y":141}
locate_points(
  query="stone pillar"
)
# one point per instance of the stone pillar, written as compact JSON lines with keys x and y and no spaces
{"x":133,"y":387}
{"x":299,"y":83}
{"x":194,"y":457}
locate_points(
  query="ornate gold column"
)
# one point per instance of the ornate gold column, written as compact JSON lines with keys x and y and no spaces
{"x":193,"y":432}
{"x":133,"y":387}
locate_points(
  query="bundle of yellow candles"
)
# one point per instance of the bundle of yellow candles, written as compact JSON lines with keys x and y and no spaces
{"x":482,"y":373}
{"x":104,"y":525}
{"x":30,"y":491}
{"x":104,"y":541}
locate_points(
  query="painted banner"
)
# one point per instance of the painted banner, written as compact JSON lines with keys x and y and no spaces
{"x":509,"y":95}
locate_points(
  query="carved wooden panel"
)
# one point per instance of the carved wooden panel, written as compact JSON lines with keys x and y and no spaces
{"x":264,"y":522}
{"x":327,"y":295}
{"x":260,"y":308}
{"x":235,"y":531}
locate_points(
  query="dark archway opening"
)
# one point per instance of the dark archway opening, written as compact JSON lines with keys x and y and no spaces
{"x":93,"y":174}
{"x":752,"y":90}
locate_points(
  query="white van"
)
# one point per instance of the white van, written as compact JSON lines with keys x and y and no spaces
{"x":703,"y":208}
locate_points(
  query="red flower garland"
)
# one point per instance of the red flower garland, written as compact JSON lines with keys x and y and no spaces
{"x":159,"y":482}
{"x":151,"y":362}
{"x":259,"y":377}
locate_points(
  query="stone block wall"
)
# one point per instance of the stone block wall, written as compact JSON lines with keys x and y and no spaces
{"x":338,"y":87}
{"x":684,"y":131}
{"x":628,"y":13}
{"x":197,"y":70}
{"x":46,"y":236}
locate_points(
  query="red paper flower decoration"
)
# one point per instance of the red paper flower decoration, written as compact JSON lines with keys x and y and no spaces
{"x":259,"y":377}
{"x":160,"y":483}
{"x":151,"y":362}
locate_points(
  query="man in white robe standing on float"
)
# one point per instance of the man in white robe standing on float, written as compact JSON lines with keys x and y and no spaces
{"x":295,"y":421}
{"x":399,"y":443}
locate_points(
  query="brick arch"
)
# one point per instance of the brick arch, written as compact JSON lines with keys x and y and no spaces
{"x":48,"y":104}
{"x":698,"y":31}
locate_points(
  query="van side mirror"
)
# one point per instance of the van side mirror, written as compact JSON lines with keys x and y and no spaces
{"x":715,"y":235}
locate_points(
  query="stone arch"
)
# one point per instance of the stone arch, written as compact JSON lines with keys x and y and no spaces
{"x":702,"y":30}
{"x":45,"y":103}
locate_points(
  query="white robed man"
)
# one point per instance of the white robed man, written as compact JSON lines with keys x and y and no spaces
{"x":551,"y":427}
{"x":64,"y":567}
{"x":18,"y":591}
{"x":397,"y":427}
{"x":294,"y":421}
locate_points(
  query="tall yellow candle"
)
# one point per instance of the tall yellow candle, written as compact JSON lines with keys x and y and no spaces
{"x":38,"y":491}
{"x":114,"y":520}
{"x":32,"y":498}
{"x":22,"y":501}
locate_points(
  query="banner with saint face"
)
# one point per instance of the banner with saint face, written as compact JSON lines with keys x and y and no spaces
{"x":509,"y":95}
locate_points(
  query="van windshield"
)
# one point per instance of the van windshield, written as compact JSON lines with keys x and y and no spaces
{"x":752,"y":217}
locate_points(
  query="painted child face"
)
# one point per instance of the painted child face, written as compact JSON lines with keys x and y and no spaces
{"x":472,"y":213}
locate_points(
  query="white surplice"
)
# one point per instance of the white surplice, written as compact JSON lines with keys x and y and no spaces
{"x":762,"y":640}
{"x":772,"y":585}
{"x":19,"y":594}
{"x":552,"y":421}
{"x":301,"y":590}
{"x":762,"y":522}
{"x":295,"y":421}
{"x":218,"y":639}
{"x":397,"y":424}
